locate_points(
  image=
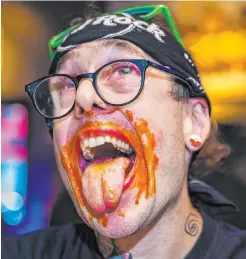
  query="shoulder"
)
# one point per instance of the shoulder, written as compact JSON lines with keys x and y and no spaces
{"x":232,"y":240}
{"x":58,"y":242}
{"x":228,"y":242}
{"x":219,"y":240}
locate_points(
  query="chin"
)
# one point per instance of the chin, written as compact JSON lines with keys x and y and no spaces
{"x":134,"y":219}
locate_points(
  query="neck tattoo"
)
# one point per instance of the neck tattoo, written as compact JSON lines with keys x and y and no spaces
{"x":193,"y":225}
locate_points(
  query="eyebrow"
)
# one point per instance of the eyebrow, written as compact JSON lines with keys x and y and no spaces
{"x":70,"y":55}
{"x":123,"y":45}
{"x":120,"y":45}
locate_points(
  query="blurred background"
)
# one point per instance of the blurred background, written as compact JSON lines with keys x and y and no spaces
{"x":214,"y":33}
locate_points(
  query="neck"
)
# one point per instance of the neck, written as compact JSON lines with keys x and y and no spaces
{"x":172,"y":235}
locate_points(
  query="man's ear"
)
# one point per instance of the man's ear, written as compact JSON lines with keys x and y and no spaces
{"x":196,"y":123}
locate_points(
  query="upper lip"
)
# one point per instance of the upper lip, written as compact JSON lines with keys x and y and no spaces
{"x":95,"y":129}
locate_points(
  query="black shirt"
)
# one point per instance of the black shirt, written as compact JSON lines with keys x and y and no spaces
{"x":217,"y":241}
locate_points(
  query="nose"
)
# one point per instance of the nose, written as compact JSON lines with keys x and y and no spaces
{"x":86,"y":97}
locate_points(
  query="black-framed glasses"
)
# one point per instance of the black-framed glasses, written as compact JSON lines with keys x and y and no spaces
{"x":117,"y":83}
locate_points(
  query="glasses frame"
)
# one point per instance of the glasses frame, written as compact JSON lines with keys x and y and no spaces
{"x":142,"y":64}
{"x":145,"y":12}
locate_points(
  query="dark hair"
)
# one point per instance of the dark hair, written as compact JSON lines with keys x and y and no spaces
{"x":89,"y":10}
{"x":211,"y":156}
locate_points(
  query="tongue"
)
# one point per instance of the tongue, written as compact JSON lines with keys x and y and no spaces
{"x":103,"y":183}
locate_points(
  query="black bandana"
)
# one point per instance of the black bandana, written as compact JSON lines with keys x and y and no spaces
{"x":158,"y":43}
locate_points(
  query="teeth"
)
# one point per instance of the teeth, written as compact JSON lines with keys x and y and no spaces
{"x":107,"y":139}
{"x":118,"y":143}
{"x":88,"y":155}
{"x":113,"y":141}
{"x":92,"y":142}
{"x":100,"y":141}
{"x":89,"y":143}
{"x":86,"y":142}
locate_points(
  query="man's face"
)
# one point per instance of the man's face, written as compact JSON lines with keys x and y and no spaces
{"x":122,"y":166}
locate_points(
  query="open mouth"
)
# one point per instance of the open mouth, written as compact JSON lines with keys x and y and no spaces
{"x":102,"y":146}
{"x":103,"y":160}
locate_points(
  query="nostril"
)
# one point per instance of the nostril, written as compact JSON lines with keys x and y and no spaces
{"x":95,"y":106}
{"x":78,"y":112}
{"x":81,"y":110}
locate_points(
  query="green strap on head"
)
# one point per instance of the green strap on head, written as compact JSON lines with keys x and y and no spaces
{"x":55,"y":41}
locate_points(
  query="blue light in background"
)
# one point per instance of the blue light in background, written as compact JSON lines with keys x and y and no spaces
{"x":14,"y":191}
{"x":27,"y":189}
{"x":14,"y":167}
{"x":14,"y":176}
{"x":12,"y":200}
{"x":14,"y":218}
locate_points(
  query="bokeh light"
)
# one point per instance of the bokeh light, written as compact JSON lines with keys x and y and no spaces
{"x":12,"y":201}
{"x":14,"y":218}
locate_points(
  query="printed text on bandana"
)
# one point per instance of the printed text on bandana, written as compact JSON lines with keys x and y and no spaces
{"x":128,"y":20}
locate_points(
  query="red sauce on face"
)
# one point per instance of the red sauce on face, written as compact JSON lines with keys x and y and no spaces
{"x":142,"y":175}
{"x":129,"y":115}
{"x":145,"y":184}
{"x":103,"y":221}
{"x":148,"y":144}
{"x":121,"y":213}
{"x":89,"y":113}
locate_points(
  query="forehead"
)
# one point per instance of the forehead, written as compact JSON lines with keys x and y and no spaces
{"x":103,"y":49}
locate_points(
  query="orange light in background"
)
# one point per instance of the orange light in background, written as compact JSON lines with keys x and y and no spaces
{"x":227,"y":92}
{"x":22,"y":29}
{"x":230,"y":113}
{"x":221,"y":59}
{"x":225,"y":87}
{"x":210,"y":50}
{"x":217,"y":43}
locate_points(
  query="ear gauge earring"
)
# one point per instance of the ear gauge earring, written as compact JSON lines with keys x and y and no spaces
{"x":195,"y":141}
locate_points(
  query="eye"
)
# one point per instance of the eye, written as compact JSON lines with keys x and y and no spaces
{"x":62,"y":83}
{"x":119,"y":74}
{"x":124,"y":70}
{"x":69,"y":84}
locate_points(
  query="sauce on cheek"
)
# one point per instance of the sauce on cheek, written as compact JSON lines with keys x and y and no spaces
{"x":148,"y":158}
{"x":129,"y":115}
{"x":71,"y":165}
